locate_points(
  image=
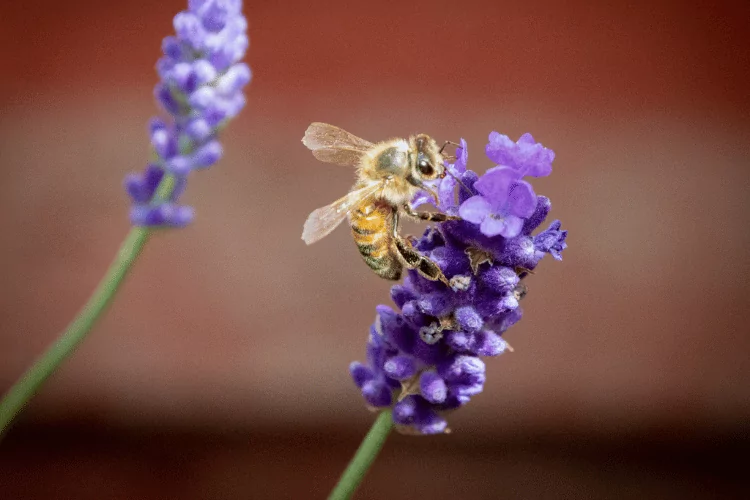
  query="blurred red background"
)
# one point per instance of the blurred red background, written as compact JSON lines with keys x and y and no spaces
{"x":221,"y":370}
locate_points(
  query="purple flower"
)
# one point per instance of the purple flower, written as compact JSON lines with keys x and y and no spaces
{"x":552,"y":240}
{"x":504,"y":200}
{"x":200,"y":89}
{"x":502,"y":204}
{"x":526,"y":156}
{"x":423,"y":360}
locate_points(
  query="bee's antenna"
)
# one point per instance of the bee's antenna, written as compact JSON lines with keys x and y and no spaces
{"x":446,"y":143}
{"x":459,"y":181}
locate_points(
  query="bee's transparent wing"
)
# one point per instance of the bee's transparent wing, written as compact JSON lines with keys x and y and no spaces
{"x":333,"y":145}
{"x":324,"y":220}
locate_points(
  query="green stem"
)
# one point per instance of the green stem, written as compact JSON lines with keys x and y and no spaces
{"x":364,"y":457}
{"x":23,"y":390}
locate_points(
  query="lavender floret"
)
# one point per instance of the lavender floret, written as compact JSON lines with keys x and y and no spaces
{"x":423,"y":359}
{"x":200,"y":89}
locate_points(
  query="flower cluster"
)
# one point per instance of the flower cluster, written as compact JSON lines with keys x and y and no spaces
{"x":201,"y":89}
{"x":424,"y":360}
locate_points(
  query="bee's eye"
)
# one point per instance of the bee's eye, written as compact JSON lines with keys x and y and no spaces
{"x":425,"y":168}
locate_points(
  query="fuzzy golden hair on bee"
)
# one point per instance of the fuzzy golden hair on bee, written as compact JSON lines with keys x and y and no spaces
{"x":389,"y":174}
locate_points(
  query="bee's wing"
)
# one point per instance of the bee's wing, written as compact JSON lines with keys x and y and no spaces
{"x":324,"y":220}
{"x":333,"y":145}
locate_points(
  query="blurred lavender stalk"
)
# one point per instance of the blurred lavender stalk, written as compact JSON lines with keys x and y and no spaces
{"x":201,"y":90}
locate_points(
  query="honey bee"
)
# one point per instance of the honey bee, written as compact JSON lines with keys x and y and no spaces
{"x":389,"y":174}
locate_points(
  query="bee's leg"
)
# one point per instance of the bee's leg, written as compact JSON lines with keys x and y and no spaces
{"x":412,"y":258}
{"x":522,"y":272}
{"x":429,"y":216}
{"x":415,"y":260}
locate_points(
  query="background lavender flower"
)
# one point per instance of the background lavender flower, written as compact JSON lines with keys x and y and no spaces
{"x":200,"y":89}
{"x":424,"y":360}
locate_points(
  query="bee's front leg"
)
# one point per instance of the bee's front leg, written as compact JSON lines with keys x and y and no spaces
{"x":429,"y":216}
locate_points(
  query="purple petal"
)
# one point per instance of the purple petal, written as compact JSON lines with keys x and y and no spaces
{"x":234,"y":79}
{"x":462,"y":369}
{"x":521,"y":199}
{"x":360,"y":373}
{"x":172,"y":48}
{"x":203,"y":98}
{"x":468,"y":318}
{"x":141,"y":187}
{"x":377,"y":393}
{"x":178,"y":215}
{"x":460,"y":341}
{"x":475,"y":209}
{"x":421,"y":198}
{"x":490,"y":344}
{"x":179,"y":187}
{"x":552,"y":240}
{"x":526,"y":156}
{"x":543,"y":207}
{"x":179,"y":165}
{"x":182,"y":77}
{"x":498,"y":148}
{"x":512,"y":227}
{"x":462,"y":157}
{"x":166,"y":99}
{"x":447,"y":193}
{"x":134,"y":188}
{"x":470,"y":387}
{"x":495,"y":185}
{"x":414,"y":316}
{"x":432,"y":387}
{"x":163,"y":142}
{"x":198,"y":129}
{"x":188,"y":28}
{"x":166,"y":214}
{"x":405,"y":411}
{"x":207,"y":155}
{"x":203,"y":72}
{"x":214,"y":14}
{"x":492,"y":226}
{"x":400,"y":367}
{"x":468,"y":179}
{"x":436,"y":304}
{"x":401,"y":295}
{"x":433,"y":424}
{"x":499,"y":279}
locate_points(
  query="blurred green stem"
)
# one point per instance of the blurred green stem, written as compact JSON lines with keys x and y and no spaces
{"x":363,"y":459}
{"x":23,"y":390}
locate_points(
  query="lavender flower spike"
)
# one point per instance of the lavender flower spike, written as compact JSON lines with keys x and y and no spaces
{"x":200,"y":89}
{"x":423,"y":360}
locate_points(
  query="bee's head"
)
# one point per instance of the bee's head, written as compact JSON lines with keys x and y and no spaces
{"x":428,"y":162}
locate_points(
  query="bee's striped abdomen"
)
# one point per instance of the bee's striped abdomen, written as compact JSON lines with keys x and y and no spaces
{"x":372,"y":229}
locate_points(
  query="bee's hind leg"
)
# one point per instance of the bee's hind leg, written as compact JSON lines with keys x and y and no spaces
{"x":429,"y":216}
{"x":415,"y":260}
